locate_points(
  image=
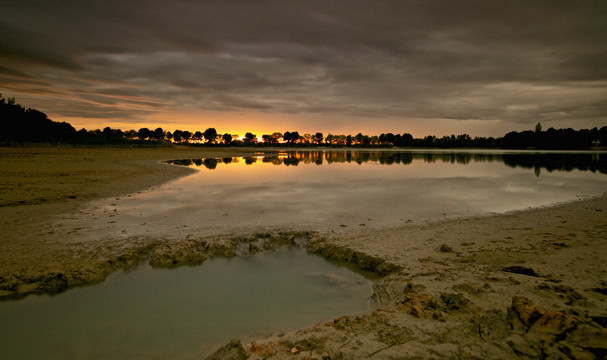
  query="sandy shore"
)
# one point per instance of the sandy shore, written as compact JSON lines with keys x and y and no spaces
{"x":529,"y":284}
{"x":39,"y":254}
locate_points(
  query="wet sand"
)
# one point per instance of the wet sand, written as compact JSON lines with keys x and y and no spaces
{"x":527,"y":284}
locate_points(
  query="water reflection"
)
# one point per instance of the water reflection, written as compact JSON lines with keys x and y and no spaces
{"x":349,"y":189}
{"x":537,"y":161}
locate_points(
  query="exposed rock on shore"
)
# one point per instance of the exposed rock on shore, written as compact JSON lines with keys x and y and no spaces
{"x":231,"y":351}
{"x":168,"y":255}
{"x":444,"y":327}
{"x":318,"y":245}
{"x":67,"y":272}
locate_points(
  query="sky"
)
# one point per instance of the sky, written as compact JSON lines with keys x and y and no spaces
{"x":346,"y":66}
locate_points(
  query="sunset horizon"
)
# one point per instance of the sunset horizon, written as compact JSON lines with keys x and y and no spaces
{"x":426,"y":68}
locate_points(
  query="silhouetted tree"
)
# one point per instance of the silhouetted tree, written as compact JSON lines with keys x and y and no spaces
{"x":197,"y":136}
{"x":144,"y":133}
{"x":382,"y":138}
{"x":359,"y":138}
{"x":177,"y":136}
{"x":407,"y":139}
{"x":227,"y":138}
{"x":186,"y":135}
{"x":398,"y":140}
{"x":295,"y":137}
{"x":249,"y":138}
{"x":129,"y":134}
{"x":318,"y":138}
{"x":276,"y":137}
{"x":210,"y":135}
{"x":158,"y":134}
{"x":602,"y":136}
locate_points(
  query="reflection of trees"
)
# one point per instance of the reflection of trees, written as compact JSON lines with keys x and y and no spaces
{"x":558,"y":162}
{"x":291,"y":160}
{"x":536,"y":161}
{"x":209,"y":163}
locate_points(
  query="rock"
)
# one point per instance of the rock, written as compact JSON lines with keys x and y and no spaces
{"x":454,"y":302}
{"x":253,"y":249}
{"x":492,"y":325}
{"x":248,"y":238}
{"x":221,"y":247}
{"x":53,"y":283}
{"x":587,"y":336}
{"x":9,"y":282}
{"x":522,"y":314}
{"x":315,"y":243}
{"x":525,"y":314}
{"x":346,"y":254}
{"x":168,"y":255}
{"x":417,"y":305}
{"x":516,"y":269}
{"x":230,"y":351}
{"x":445,"y":248}
{"x":275,"y":240}
{"x":555,"y":334}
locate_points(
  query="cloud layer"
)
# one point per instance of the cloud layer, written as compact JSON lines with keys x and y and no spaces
{"x":322,"y":64}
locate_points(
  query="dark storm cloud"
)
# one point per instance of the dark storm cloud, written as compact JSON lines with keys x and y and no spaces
{"x":513,"y":61}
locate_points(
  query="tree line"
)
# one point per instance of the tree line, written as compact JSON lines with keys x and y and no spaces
{"x":20,"y":125}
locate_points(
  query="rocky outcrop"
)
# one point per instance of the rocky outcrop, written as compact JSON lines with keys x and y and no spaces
{"x":443,"y":327}
{"x":231,"y":351}
{"x":169,"y":255}
{"x":161,"y":253}
{"x":554,"y":334}
{"x":220,"y":247}
{"x":317,"y":245}
{"x":57,"y":278}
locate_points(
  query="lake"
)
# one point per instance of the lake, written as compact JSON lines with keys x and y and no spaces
{"x":335,"y":190}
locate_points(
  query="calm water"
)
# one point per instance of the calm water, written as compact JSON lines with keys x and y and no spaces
{"x":182,"y":313}
{"x":336,"y":190}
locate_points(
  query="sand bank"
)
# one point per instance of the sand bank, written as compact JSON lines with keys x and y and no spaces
{"x":521,"y":285}
{"x":37,"y":253}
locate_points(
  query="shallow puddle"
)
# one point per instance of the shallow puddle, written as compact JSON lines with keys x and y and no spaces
{"x":182,"y":313}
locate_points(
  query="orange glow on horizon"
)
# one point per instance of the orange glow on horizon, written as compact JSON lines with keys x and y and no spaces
{"x":259,"y":124}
